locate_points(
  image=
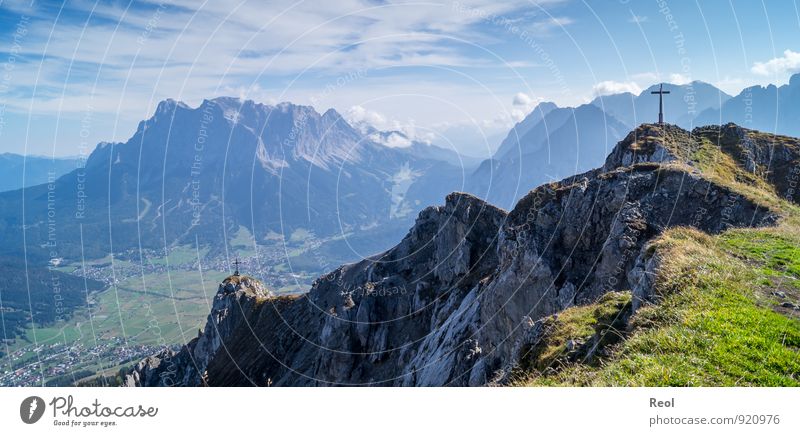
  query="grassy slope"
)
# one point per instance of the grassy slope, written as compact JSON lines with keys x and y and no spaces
{"x":718,"y":322}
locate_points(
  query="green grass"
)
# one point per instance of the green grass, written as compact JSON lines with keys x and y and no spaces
{"x":716,"y":323}
{"x":243,"y":243}
{"x":576,"y":325}
{"x":53,"y":335}
{"x":179,"y":255}
{"x":299,"y":235}
{"x":146,"y":313}
{"x":778,"y":252}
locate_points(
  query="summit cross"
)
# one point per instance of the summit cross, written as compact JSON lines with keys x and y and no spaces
{"x":236,"y":263}
{"x":660,"y":93}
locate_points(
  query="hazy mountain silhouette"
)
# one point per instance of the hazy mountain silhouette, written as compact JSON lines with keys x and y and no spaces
{"x":560,"y":142}
{"x":681,"y":106}
{"x":17,"y":171}
{"x":772,"y":109}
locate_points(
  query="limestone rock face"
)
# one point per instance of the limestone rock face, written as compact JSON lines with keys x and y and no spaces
{"x":774,"y":158}
{"x":454,"y":302}
{"x":157,"y":370}
{"x":648,"y":143}
{"x":235,"y":299}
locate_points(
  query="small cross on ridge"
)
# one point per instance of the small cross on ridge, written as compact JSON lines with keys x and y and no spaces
{"x":660,"y":93}
{"x":236,"y":263}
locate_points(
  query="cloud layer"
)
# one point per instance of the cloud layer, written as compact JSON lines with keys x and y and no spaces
{"x":608,"y":87}
{"x":787,"y":64}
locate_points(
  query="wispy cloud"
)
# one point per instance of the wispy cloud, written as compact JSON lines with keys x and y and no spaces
{"x":111,"y":56}
{"x":550,"y":24}
{"x":637,"y":19}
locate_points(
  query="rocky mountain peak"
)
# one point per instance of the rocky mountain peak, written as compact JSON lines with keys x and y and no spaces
{"x":169,"y":105}
{"x":333,"y":115}
{"x":647,"y":143}
{"x":458,"y":298}
{"x":236,"y":298}
{"x":244,"y":284}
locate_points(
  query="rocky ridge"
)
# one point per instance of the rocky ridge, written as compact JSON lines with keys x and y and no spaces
{"x":455,"y":302}
{"x":235,"y":299}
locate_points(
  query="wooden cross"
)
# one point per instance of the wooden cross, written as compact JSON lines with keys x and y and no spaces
{"x":236,"y":263}
{"x":660,"y":93}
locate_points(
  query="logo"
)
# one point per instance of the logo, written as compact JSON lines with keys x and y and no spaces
{"x":31,"y":409}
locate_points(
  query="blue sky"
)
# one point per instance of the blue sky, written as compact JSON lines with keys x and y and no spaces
{"x":76,"y":73}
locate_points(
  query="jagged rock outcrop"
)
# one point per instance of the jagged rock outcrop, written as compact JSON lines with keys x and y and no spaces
{"x":771,"y":157}
{"x":454,"y":302}
{"x":236,"y":299}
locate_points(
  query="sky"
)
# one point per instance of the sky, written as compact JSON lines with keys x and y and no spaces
{"x":456,"y":73}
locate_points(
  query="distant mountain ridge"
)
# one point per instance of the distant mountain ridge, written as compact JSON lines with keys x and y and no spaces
{"x":681,"y":106}
{"x":277,"y":168}
{"x":197,"y":174}
{"x":769,"y":108}
{"x":553,"y":142}
{"x":550,"y":145}
{"x":18,"y":171}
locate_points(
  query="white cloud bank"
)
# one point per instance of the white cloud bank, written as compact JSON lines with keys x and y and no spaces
{"x":679,"y":79}
{"x":788,"y":63}
{"x":522,"y":104}
{"x":608,"y":87}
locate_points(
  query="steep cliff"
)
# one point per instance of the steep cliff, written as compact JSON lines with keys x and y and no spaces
{"x":467,"y":289}
{"x":235,"y":301}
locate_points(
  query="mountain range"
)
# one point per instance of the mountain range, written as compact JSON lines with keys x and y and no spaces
{"x":552,"y":143}
{"x":474,"y":295}
{"x":770,"y":109}
{"x":548,"y":145}
{"x":681,"y":106}
{"x":197,"y":175}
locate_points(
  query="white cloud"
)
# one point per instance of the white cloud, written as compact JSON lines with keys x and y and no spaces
{"x":361,"y":117}
{"x":553,"y":23}
{"x":197,"y":50}
{"x":392,"y":140}
{"x":125,"y":60}
{"x":789,"y":63}
{"x":522,"y":99}
{"x":522,"y":104}
{"x":608,"y":87}
{"x":637,"y":19}
{"x":679,"y":79}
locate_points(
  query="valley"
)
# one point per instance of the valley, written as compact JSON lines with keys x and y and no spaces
{"x":151,"y":301}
